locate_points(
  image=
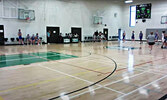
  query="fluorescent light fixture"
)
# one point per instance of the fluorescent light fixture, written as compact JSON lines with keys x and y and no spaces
{"x":128,"y":1}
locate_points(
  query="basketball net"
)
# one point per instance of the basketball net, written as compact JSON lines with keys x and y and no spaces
{"x":28,"y":19}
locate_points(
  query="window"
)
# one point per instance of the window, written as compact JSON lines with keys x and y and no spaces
{"x":132,"y":16}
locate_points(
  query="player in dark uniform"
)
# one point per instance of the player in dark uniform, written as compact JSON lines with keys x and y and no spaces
{"x":37,"y":39}
{"x":33,"y":39}
{"x":156,"y":36}
{"x":133,"y":36}
{"x":124,"y":34}
{"x":28,"y":39}
{"x":141,"y":37}
{"x":20,"y":37}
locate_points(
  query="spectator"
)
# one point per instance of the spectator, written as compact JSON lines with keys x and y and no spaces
{"x":28,"y":39}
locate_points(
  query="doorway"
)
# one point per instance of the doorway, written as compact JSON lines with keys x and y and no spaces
{"x":77,"y":30}
{"x":1,"y":35}
{"x":105,"y":31}
{"x":53,"y":35}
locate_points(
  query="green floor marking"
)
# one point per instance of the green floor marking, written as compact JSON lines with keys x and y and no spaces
{"x":24,"y":59}
{"x":11,"y":57}
{"x":21,"y":62}
{"x":58,"y":57}
{"x":44,"y":54}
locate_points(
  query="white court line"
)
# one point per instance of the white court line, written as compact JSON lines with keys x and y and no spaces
{"x":155,"y":66}
{"x":148,"y":70}
{"x":17,"y":59}
{"x":79,"y":78}
{"x":13,"y":68}
{"x":121,"y":67}
{"x":125,"y":67}
{"x":84,"y":93}
{"x":156,"y":70}
{"x":139,"y":69}
{"x":116,"y":82}
{"x":124,"y":79}
{"x":106,"y":85}
{"x":82,"y":58}
{"x":141,"y":87}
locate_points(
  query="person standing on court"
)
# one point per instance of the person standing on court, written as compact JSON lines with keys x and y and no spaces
{"x":141,"y":37}
{"x":96,"y":35}
{"x":20,"y":37}
{"x":124,"y":34}
{"x":48,"y":36}
{"x":156,"y":36}
{"x":163,"y":35}
{"x":133,"y":36}
{"x":151,"y":40}
{"x":164,"y":40}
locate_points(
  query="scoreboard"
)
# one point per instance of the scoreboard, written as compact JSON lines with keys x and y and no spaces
{"x":143,"y":11}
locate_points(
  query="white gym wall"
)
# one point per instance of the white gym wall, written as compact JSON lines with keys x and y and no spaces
{"x":159,"y":8}
{"x":64,"y":14}
{"x":78,"y":13}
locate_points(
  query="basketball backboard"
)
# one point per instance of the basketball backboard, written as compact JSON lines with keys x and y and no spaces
{"x":24,"y":14}
{"x":163,"y":19}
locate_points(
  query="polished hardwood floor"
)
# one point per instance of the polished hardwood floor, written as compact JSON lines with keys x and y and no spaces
{"x":138,"y":73}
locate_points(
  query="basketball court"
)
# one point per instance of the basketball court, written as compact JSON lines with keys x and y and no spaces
{"x":83,"y":50}
{"x":58,"y":72}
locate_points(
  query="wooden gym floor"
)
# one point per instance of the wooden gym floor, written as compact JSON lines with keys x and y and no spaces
{"x":49,"y":72}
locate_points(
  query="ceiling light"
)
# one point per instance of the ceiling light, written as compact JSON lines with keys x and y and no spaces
{"x":128,"y":1}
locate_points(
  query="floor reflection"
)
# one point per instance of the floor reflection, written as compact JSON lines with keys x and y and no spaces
{"x":130,"y":61}
{"x":64,"y":97}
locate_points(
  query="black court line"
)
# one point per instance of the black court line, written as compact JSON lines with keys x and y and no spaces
{"x":163,"y":98}
{"x":88,"y":85}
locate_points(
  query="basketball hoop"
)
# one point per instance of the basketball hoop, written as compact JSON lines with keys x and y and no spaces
{"x":28,"y":19}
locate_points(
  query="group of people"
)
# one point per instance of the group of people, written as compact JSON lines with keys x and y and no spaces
{"x":98,"y":36}
{"x":151,"y":38}
{"x":164,"y":40}
{"x":29,"y":39}
{"x":70,"y":35}
{"x":60,"y":36}
{"x":133,"y":36}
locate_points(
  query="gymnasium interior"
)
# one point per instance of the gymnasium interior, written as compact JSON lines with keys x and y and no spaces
{"x":83,"y":50}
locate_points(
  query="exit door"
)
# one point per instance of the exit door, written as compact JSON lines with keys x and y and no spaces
{"x":1,"y":35}
{"x":75,"y":30}
{"x":105,"y":31}
{"x":53,"y":35}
